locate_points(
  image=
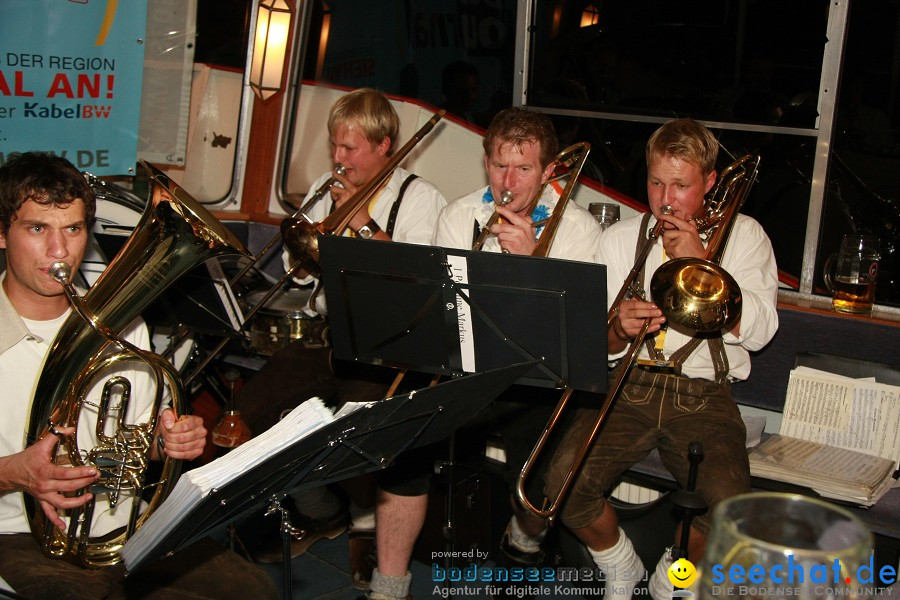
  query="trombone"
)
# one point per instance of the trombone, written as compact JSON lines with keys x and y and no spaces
{"x":301,"y":236}
{"x":570,"y":161}
{"x":695,"y":293}
{"x":300,"y":212}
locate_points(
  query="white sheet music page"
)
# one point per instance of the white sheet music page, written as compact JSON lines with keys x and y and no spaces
{"x":197,"y":484}
{"x":854,"y":414}
{"x":459,"y":271}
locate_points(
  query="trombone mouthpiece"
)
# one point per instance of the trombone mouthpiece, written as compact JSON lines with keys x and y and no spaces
{"x":340,"y":169}
{"x":60,"y":271}
{"x":506,"y":197}
{"x":666,"y":210}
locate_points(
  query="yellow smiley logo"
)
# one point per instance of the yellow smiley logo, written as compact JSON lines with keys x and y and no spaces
{"x":682,"y":573}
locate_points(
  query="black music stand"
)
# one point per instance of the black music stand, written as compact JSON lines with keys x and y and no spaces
{"x":450,"y":312}
{"x":201,"y":301}
{"x":364,"y":441}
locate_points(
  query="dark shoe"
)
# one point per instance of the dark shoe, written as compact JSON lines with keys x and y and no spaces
{"x":271,"y":551}
{"x":363,"y":558}
{"x":513,"y":557}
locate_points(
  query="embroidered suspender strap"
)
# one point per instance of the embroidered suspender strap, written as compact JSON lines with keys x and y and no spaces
{"x":679,"y":356}
{"x":716,"y":351}
{"x":641,"y":238}
{"x":392,"y":219}
{"x":719,"y":358}
{"x":649,"y":341}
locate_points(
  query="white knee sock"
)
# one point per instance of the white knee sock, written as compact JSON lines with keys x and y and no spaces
{"x":622,"y":567}
{"x":362,"y":519}
{"x":520,"y":540}
{"x":660,"y":585}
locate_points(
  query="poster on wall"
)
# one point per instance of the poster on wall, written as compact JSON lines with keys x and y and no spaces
{"x":70,"y":80}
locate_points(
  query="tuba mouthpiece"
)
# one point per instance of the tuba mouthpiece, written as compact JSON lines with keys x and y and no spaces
{"x":60,"y":271}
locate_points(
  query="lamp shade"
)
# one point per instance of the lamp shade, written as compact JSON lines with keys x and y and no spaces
{"x":590,"y":16}
{"x":273,"y":24}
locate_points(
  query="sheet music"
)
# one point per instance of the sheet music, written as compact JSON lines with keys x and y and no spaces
{"x":459,"y":271}
{"x":839,"y":411}
{"x":833,"y":472}
{"x":196,"y":484}
{"x":821,"y":458}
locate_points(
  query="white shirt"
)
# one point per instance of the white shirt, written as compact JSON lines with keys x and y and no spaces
{"x":576,"y":238}
{"x":22,"y":353}
{"x":748,"y":258}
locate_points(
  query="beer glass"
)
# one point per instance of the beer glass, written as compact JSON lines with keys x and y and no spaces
{"x":766,"y":545}
{"x":855,"y":274}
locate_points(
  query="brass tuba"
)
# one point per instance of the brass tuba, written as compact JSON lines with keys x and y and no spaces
{"x":695,"y":293}
{"x":175,"y":234}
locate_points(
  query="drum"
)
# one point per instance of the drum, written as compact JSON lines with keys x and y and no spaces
{"x":281,"y":321}
{"x":118,"y":212}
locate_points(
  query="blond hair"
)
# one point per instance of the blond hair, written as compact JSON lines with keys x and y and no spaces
{"x":687,"y":140}
{"x":369,"y":111}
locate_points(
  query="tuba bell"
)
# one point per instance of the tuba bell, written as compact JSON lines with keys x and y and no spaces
{"x":174,"y":235}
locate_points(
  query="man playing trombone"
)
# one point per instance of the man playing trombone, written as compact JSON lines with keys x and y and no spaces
{"x":509,"y":215}
{"x":363,"y":132}
{"x":679,"y":389}
{"x":519,"y":150}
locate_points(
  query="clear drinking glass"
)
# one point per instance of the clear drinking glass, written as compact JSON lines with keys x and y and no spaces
{"x":856,"y":273}
{"x":768,"y":545}
{"x":606,"y":213}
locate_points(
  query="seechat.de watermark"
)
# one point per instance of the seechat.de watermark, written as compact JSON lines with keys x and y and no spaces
{"x":789,"y":579}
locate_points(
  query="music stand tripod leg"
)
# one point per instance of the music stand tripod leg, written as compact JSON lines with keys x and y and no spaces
{"x":288,"y":532}
{"x":688,"y":500}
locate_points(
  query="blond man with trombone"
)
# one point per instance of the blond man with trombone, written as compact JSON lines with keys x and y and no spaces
{"x":678,"y":390}
{"x":363,"y":135}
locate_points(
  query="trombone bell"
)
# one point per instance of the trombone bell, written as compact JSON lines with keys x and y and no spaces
{"x":302,"y":241}
{"x":696,"y":294}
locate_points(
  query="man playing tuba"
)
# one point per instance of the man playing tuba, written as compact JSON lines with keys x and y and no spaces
{"x":46,"y":210}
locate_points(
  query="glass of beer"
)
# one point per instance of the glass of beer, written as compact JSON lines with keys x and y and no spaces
{"x":771,"y":545}
{"x":855,"y":274}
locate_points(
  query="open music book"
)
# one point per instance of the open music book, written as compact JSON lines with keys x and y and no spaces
{"x":198,"y":483}
{"x":839,"y":436}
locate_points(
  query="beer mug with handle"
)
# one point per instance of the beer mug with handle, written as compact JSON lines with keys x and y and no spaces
{"x":855,"y":274}
{"x":767,"y":545}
